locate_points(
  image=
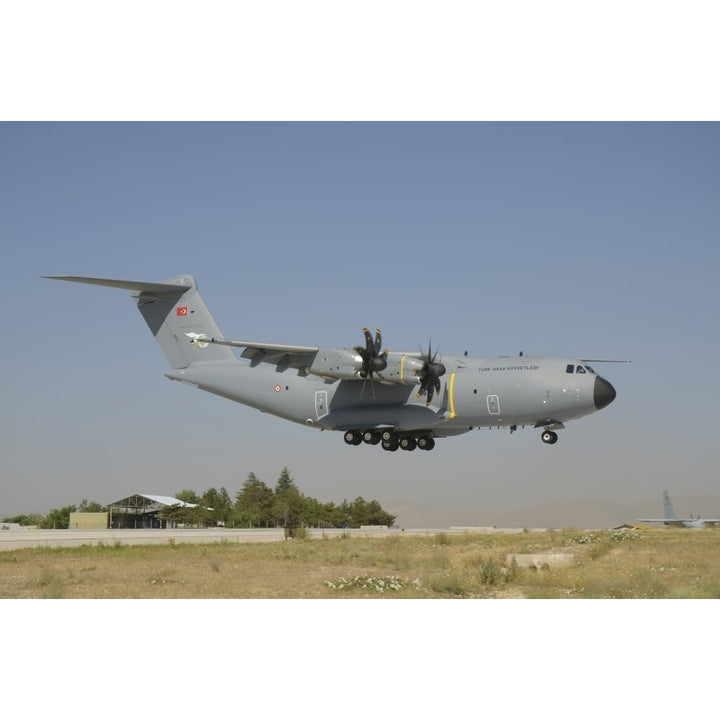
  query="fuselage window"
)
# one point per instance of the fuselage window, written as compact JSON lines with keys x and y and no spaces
{"x":570,"y":369}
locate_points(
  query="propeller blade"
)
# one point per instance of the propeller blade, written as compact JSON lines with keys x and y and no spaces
{"x":368,"y":342}
{"x":372,"y":387}
{"x":378,"y":341}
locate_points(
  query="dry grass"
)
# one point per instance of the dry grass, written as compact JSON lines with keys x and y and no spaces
{"x":636,"y":564}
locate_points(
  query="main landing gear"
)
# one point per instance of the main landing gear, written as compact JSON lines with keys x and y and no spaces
{"x":549,"y":437}
{"x":390,"y":440}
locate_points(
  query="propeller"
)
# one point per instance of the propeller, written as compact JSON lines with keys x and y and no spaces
{"x":430,"y":375}
{"x":372,"y":359}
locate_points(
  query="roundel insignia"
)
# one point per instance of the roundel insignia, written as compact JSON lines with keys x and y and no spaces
{"x":277,"y":388}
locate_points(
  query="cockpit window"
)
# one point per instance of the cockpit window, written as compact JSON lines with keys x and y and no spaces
{"x":579,"y":369}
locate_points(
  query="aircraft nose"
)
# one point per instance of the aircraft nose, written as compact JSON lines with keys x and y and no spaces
{"x":603,"y":393}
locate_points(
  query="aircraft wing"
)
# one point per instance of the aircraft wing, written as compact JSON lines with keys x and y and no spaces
{"x":284,"y":356}
{"x":681,"y":521}
{"x":667,"y":521}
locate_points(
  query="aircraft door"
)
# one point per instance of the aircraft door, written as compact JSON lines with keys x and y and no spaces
{"x":321,"y":403}
{"x":493,"y":404}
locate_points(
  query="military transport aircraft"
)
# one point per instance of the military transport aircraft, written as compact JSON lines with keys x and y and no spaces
{"x":396,"y":399}
{"x":672,"y":519}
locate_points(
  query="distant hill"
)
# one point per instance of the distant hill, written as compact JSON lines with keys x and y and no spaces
{"x":577,"y":513}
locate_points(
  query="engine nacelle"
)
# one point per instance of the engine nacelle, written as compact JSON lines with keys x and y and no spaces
{"x":342,"y":364}
{"x":401,"y":370}
{"x":336,"y":364}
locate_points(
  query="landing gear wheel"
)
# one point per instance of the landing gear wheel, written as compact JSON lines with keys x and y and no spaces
{"x":392,"y":444}
{"x":408,"y":443}
{"x":370,"y":437}
{"x":549,"y":437}
{"x":352,"y":437}
{"x":426,"y":443}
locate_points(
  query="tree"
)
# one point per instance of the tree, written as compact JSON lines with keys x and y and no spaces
{"x":256,"y":505}
{"x":217,"y":504}
{"x":172,"y":515}
{"x":315,"y":513}
{"x":375,"y":515}
{"x":188,"y":496}
{"x":58,"y":519}
{"x":288,"y":503}
{"x":253,"y":503}
{"x":31,"y":519}
{"x":360,"y":512}
{"x":285,"y":482}
{"x":90,"y":507}
{"x":342,"y":516}
{"x":183,"y":515}
{"x":225,"y":502}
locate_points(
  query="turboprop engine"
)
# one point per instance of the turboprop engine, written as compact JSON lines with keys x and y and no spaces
{"x":370,"y":362}
{"x":336,"y":364}
{"x":342,"y":364}
{"x":401,"y":370}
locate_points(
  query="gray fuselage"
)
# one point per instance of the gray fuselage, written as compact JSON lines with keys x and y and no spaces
{"x":475,"y":392}
{"x":403,"y":400}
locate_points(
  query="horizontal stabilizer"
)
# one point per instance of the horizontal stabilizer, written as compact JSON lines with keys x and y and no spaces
{"x":175,"y":314}
{"x":147,"y":287}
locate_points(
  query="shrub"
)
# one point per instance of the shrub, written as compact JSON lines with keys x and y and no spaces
{"x":490,"y":572}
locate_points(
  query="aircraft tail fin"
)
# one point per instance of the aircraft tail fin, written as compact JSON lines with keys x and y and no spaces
{"x":175,"y":314}
{"x":669,"y":512}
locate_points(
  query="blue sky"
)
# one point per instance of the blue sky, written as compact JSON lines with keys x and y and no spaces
{"x":588,"y":239}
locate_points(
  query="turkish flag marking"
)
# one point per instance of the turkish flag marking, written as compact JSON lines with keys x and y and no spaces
{"x":181,"y":311}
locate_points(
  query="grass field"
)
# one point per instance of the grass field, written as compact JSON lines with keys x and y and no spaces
{"x":648,"y":563}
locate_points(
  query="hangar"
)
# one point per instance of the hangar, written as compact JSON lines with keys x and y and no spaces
{"x":146,"y":511}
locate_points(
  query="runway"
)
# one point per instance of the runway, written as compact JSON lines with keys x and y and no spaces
{"x":14,"y":540}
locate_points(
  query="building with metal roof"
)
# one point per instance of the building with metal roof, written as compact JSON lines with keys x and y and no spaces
{"x":143,"y":511}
